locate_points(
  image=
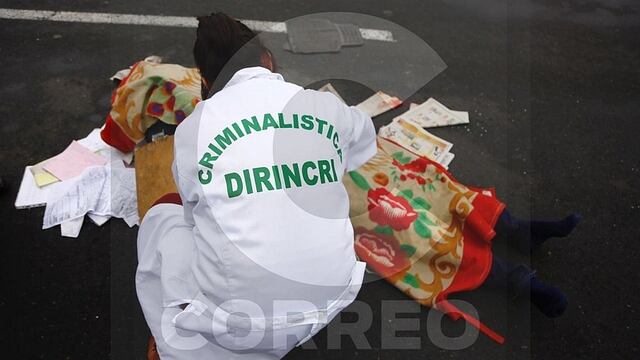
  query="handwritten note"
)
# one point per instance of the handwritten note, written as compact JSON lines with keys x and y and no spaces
{"x":105,"y":191}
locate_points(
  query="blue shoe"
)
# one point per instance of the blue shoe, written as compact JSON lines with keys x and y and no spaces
{"x":548,"y":299}
{"x":541,"y":231}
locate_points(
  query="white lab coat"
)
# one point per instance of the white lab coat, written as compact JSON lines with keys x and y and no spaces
{"x":262,"y":248}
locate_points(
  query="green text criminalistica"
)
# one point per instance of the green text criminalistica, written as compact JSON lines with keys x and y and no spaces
{"x":291,"y":175}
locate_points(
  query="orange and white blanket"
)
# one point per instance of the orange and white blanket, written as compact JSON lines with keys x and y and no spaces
{"x":420,"y":229}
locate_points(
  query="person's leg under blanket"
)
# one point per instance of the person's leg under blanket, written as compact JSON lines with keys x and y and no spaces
{"x":519,"y":279}
{"x":529,"y":235}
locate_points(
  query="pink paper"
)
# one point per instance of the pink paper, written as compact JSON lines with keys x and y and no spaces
{"x":72,"y":161}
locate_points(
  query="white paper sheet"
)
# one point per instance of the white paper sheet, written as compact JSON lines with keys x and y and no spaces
{"x":416,"y":139}
{"x":432,"y":113}
{"x":94,"y":142}
{"x":30,"y":195}
{"x":329,"y":88}
{"x":71,"y":228}
{"x":464,"y":115}
{"x":106,"y":191}
{"x":447,"y":159}
{"x":98,"y":219}
{"x":132,"y":220}
{"x":379,"y":103}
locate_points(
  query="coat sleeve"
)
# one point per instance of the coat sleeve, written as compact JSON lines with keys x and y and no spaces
{"x":362,"y":144}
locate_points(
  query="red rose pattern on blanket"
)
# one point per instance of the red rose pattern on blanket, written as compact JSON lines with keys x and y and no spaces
{"x":420,"y":229}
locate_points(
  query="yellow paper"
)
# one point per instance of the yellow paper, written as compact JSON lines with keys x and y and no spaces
{"x":41,"y":176}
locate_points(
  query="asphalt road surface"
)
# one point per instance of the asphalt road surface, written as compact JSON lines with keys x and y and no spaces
{"x":552,"y":92}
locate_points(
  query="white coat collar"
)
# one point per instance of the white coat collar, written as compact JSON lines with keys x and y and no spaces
{"x":251,"y":73}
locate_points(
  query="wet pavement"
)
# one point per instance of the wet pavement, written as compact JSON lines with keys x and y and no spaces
{"x":552,"y":93}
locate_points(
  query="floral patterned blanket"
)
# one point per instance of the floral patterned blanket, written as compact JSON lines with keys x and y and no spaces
{"x":151,"y":92}
{"x":420,"y":229}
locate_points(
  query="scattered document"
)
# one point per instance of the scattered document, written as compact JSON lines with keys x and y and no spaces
{"x":72,"y":161}
{"x":31,"y":195}
{"x":432,"y":113}
{"x":94,"y":142}
{"x":447,"y":159}
{"x":329,"y":88}
{"x":71,"y":228}
{"x":412,"y":137}
{"x":102,"y":190}
{"x":41,"y":176}
{"x":379,"y":103}
{"x":91,"y":179}
{"x":98,"y":219}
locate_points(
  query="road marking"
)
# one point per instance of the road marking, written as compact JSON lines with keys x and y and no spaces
{"x":155,"y":20}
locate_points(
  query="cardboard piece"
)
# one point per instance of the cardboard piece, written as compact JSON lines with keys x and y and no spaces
{"x":153,"y":173}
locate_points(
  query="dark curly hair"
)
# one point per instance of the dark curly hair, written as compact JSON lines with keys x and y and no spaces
{"x":223,"y":46}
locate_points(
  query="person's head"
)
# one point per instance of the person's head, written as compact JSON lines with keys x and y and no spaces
{"x":223,"y":46}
